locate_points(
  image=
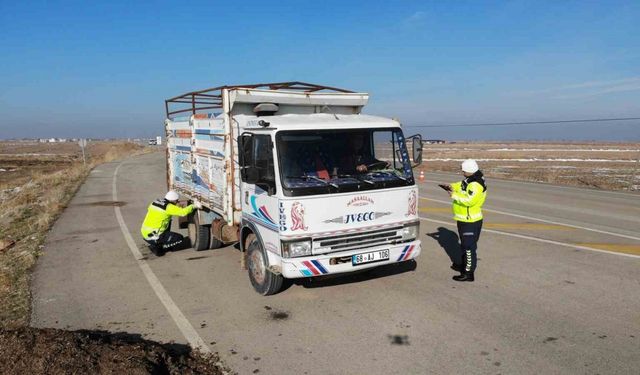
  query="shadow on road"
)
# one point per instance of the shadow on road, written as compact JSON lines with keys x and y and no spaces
{"x":356,"y":277}
{"x":448,"y":241}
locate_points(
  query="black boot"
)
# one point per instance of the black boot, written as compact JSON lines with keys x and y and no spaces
{"x":157,"y":250}
{"x":464,"y":276}
{"x":456,"y":267}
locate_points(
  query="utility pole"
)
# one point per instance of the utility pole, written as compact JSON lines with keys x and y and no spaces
{"x":635,"y":178}
{"x":83,"y":144}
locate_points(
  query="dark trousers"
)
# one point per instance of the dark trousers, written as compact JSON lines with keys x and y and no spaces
{"x":469,"y":234}
{"x":166,"y":242}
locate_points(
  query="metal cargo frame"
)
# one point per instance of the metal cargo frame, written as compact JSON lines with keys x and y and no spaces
{"x":211,"y":98}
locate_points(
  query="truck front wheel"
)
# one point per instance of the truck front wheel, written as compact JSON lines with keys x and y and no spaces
{"x":199,"y":234}
{"x":264,"y":281}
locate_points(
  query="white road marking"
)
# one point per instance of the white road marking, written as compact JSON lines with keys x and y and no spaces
{"x":579,"y":247}
{"x":174,"y":311}
{"x":545,"y":221}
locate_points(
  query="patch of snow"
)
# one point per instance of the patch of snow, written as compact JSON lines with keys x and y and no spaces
{"x":31,"y":154}
{"x":613,"y":175}
{"x":541,"y":160}
{"x":564,"y":149}
{"x":509,"y":149}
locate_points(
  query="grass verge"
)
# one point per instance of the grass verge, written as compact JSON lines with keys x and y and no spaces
{"x":27,"y":212}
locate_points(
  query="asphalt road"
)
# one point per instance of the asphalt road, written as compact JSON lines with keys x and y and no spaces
{"x":557,"y":289}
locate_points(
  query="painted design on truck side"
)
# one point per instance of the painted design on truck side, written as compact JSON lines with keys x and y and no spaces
{"x":413,"y":204}
{"x":201,"y":176}
{"x":271,"y":247}
{"x":297,"y":217}
{"x":406,"y":252}
{"x":262,"y":215}
{"x":181,"y":167}
{"x":312,"y":268}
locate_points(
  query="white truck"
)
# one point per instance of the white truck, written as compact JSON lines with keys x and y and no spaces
{"x":293,"y":172}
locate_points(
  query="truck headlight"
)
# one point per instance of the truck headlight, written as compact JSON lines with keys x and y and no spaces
{"x":410,"y":231}
{"x":296,"y":249}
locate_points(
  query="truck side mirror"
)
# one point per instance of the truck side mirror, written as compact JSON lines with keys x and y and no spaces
{"x":416,"y":147}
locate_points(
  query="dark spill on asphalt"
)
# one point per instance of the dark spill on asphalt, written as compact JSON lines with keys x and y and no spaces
{"x":277,"y":314}
{"x":398,"y":339}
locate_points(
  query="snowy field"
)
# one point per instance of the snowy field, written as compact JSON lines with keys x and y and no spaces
{"x":611,"y":166}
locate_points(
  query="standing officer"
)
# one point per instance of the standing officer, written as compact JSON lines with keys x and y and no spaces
{"x":468,"y":196}
{"x":157,"y":224}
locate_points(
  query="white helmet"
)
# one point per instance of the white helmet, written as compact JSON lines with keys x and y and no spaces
{"x":470,"y":166}
{"x":171,"y":196}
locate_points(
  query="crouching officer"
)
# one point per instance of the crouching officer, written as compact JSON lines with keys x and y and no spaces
{"x":468,"y":197}
{"x":157,"y":224}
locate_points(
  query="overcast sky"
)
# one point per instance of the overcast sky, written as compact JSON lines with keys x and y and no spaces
{"x":103,"y":69}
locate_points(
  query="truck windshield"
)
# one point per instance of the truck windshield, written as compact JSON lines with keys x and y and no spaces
{"x":329,"y":161}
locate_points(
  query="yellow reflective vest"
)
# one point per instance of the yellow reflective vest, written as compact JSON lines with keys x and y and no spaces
{"x":467,"y":203}
{"x":158,"y":217}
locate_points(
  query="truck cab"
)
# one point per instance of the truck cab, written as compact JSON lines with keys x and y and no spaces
{"x":310,"y":186}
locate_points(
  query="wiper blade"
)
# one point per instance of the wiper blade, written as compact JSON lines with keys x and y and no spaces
{"x":315,"y":179}
{"x":321,"y":180}
{"x":392,"y":174}
{"x":359,"y":178}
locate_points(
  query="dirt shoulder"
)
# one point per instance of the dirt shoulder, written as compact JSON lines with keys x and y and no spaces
{"x":37,"y":183}
{"x":52,"y":351}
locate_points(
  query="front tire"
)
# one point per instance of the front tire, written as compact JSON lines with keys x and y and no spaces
{"x":263,"y":281}
{"x":199,"y":234}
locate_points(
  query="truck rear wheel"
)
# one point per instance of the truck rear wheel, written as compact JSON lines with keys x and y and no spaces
{"x":215,"y":243}
{"x":264,"y":281}
{"x":199,"y":234}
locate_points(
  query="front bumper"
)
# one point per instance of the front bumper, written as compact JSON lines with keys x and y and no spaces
{"x":319,"y":265}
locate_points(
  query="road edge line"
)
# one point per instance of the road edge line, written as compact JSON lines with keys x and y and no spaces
{"x":174,"y":311}
{"x":545,"y":221}
{"x":524,"y":237}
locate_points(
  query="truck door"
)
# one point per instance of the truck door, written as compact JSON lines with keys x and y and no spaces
{"x":258,"y":186}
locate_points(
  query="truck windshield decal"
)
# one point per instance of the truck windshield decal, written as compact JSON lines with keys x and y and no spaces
{"x":329,"y":161}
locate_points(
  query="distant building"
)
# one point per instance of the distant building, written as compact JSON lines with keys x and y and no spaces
{"x":434,"y":141}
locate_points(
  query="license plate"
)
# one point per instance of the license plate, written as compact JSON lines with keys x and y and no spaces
{"x":374,"y":256}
